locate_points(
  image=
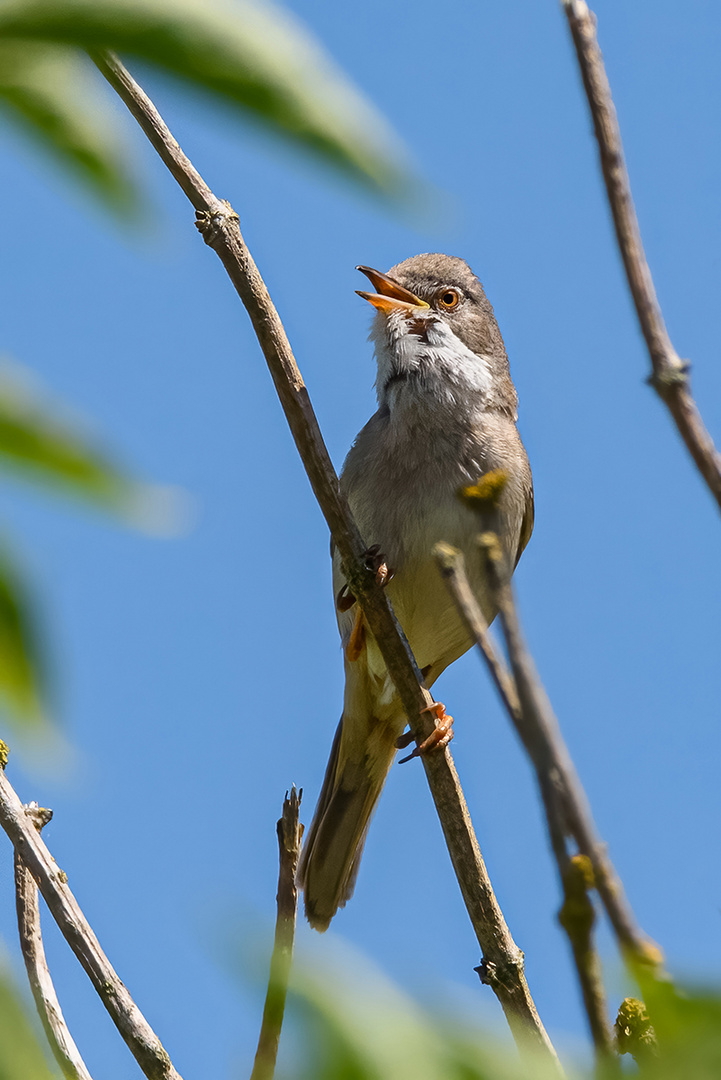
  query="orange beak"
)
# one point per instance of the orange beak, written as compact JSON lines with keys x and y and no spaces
{"x":390,"y":296}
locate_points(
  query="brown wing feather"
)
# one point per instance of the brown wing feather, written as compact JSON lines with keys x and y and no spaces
{"x":526,"y":526}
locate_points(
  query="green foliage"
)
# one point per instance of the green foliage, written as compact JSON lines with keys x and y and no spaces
{"x":687,"y":1024}
{"x":43,"y":445}
{"x":21,"y":1057}
{"x":254,"y":56}
{"x":40,"y":446}
{"x":48,"y":90}
{"x":358,"y":1026}
{"x":21,"y":659}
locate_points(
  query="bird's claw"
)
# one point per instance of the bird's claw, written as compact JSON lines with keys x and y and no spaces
{"x":376,"y":564}
{"x":438,"y":738}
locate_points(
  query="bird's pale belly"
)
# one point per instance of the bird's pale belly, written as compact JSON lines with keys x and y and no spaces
{"x":417,"y":592}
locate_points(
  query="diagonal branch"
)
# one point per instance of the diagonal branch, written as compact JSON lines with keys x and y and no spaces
{"x":539,"y":731}
{"x":576,"y":915}
{"x":61,"y":1041}
{"x":142,"y":1041}
{"x":670,"y":374}
{"x":220,"y":229}
{"x":290,"y":834}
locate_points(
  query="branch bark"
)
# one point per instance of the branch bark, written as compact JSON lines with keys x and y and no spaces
{"x":142,"y":1041}
{"x":61,"y":1041}
{"x":670,"y":374}
{"x":290,"y":833}
{"x":576,"y":915}
{"x":219,"y":226}
{"x":541,"y":735}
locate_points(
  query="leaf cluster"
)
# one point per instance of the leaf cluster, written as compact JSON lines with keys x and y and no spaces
{"x":255,"y":57}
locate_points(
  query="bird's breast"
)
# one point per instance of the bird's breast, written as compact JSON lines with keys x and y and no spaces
{"x":402,"y":484}
{"x":406,"y":504}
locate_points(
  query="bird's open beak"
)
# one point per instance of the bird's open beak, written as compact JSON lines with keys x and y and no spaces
{"x":390,"y":296}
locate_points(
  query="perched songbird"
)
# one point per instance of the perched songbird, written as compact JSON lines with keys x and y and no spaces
{"x":446,"y":416}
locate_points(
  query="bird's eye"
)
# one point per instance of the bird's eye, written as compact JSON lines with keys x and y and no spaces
{"x":448,"y":298}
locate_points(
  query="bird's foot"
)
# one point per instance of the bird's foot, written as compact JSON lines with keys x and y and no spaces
{"x":437,"y":740}
{"x":376,"y":564}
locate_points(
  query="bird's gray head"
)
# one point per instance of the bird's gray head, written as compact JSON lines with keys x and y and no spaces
{"x":435,"y":334}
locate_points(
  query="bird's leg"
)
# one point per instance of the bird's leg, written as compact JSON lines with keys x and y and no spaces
{"x":437,"y":740}
{"x":406,"y":738}
{"x":376,"y":564}
{"x":356,"y":642}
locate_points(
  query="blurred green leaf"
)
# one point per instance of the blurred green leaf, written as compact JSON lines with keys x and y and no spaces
{"x":255,"y":55}
{"x":40,"y":445}
{"x":50,"y":91}
{"x":346,"y":1021}
{"x":37,"y":442}
{"x":359,"y":1026}
{"x":21,"y":1056}
{"x":687,"y":1022}
{"x":21,"y":659}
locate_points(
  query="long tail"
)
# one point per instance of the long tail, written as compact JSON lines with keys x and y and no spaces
{"x":331,"y":854}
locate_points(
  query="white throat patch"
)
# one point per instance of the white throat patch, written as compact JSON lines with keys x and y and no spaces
{"x":422,"y":355}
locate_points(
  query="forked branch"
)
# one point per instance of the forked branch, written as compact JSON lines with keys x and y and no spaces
{"x":142,"y":1041}
{"x":576,"y":915}
{"x":61,"y":1041}
{"x":537,"y":726}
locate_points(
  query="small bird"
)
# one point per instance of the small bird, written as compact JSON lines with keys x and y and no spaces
{"x":447,"y":411}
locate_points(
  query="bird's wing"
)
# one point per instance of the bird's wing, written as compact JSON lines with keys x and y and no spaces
{"x":526,"y":525}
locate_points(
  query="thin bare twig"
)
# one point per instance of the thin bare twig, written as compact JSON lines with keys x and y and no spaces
{"x":61,"y":1041}
{"x":670,"y":374}
{"x":576,"y":915}
{"x":451,"y":564}
{"x":290,"y":833}
{"x":541,"y":735}
{"x":142,"y":1041}
{"x":219,"y":226}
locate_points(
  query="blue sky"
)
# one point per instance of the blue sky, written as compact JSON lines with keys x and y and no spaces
{"x":197,"y":677}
